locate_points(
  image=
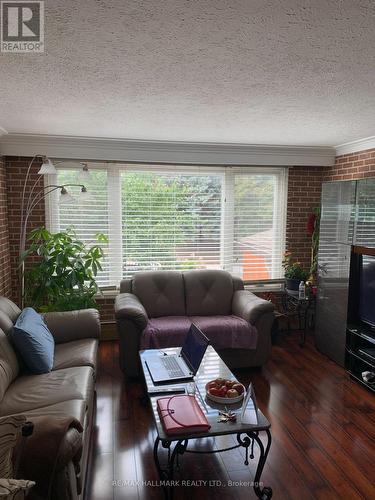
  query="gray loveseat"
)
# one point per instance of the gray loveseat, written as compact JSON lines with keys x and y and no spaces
{"x":155,"y":310}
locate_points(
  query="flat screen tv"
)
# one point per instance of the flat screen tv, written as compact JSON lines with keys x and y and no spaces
{"x":367,"y":290}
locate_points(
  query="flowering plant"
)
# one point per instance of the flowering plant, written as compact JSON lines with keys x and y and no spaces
{"x":312,"y":228}
{"x":293,"y":269}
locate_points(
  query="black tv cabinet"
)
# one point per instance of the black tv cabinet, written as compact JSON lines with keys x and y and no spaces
{"x":360,"y":336}
{"x":360,"y":339}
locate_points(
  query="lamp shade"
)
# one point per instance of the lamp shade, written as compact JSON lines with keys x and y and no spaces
{"x":84,"y":174}
{"x":65,"y":197}
{"x":84,"y":195}
{"x":47,"y":167}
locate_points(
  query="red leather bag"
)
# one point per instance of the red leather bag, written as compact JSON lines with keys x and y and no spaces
{"x":181,"y":414}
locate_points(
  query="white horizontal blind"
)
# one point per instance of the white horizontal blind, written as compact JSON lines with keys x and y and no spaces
{"x":170,"y":220}
{"x":176,"y":217}
{"x":254,"y":241}
{"x":87,"y":217}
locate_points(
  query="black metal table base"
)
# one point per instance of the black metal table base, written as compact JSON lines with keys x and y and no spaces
{"x":180,"y":447}
{"x":304,"y":309}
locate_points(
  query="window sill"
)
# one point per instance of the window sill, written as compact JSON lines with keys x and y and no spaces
{"x":253,"y":286}
{"x":265,"y":285}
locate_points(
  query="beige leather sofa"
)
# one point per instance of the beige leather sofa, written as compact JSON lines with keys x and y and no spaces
{"x":155,"y":309}
{"x":67,"y":391}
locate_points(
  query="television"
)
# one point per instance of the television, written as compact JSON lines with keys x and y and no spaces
{"x":367,"y":290}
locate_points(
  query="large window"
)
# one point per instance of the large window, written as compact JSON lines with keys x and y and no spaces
{"x":177,"y":217}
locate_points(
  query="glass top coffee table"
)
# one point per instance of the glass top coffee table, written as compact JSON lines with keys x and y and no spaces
{"x":247,"y":435}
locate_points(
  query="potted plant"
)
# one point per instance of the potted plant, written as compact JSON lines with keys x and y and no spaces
{"x":63,"y":270}
{"x":294,"y":272}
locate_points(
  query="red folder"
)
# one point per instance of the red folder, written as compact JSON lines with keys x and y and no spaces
{"x":181,"y":414}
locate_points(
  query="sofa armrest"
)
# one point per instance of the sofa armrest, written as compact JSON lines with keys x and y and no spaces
{"x":73,"y":325}
{"x":249,"y":306}
{"x":128,"y":306}
{"x":70,"y":449}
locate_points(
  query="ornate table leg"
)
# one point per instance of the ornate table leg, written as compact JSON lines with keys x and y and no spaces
{"x":167,"y":473}
{"x":266,"y":492}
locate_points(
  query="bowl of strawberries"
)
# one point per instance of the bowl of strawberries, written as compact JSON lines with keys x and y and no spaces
{"x":225,"y":391}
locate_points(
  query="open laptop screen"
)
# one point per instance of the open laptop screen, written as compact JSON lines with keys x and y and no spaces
{"x":194,"y":348}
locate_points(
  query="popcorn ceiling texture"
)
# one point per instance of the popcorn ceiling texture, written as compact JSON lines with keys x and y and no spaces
{"x":256,"y":72}
{"x":304,"y":191}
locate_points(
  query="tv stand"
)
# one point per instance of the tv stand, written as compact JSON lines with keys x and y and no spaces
{"x":360,"y":352}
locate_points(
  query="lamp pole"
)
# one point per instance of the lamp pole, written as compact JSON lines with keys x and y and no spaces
{"x":30,"y":202}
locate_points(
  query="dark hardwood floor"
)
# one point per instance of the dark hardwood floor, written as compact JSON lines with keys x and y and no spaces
{"x":323,"y":430}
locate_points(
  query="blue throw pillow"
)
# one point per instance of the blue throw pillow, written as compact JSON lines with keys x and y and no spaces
{"x":33,"y":341}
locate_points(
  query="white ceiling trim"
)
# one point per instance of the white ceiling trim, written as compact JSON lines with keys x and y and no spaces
{"x":355,"y":146}
{"x":106,"y":149}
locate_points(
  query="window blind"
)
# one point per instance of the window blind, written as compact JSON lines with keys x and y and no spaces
{"x":179,"y":218}
{"x":258,"y":233}
{"x":170,"y":220}
{"x":87,"y":217}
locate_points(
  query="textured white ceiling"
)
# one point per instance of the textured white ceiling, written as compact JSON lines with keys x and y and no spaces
{"x":249,"y":71}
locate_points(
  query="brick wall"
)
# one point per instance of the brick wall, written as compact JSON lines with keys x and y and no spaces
{"x":5,"y":280}
{"x":352,"y":166}
{"x":106,"y":308}
{"x":16,"y":168}
{"x":304,"y":192}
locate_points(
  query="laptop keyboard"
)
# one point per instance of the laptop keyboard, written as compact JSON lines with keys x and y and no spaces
{"x":171,"y":365}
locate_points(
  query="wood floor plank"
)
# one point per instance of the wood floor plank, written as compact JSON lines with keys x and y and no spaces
{"x":323,"y":430}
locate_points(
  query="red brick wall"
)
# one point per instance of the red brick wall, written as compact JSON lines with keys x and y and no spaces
{"x":304,"y":191}
{"x":106,"y":308}
{"x":352,"y":166}
{"x":16,"y":168}
{"x":5,"y":280}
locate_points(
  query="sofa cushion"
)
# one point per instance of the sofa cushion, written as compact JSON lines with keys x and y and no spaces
{"x":9,"y":366}
{"x":76,"y":408}
{"x":161,"y":293}
{"x":33,"y":341}
{"x":29,"y":392}
{"x":169,"y":331}
{"x":80,"y":352}
{"x":227,"y":332}
{"x":9,"y":313}
{"x":208,"y":292}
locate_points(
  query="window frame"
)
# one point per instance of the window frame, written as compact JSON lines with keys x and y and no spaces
{"x":227,"y":172}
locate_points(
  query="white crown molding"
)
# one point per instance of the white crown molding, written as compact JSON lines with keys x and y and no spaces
{"x":2,"y":131}
{"x":355,"y":146}
{"x":104,"y":149}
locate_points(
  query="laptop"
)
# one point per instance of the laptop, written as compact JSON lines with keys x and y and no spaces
{"x":182,"y":366}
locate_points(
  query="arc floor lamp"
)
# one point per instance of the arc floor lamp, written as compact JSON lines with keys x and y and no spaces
{"x":30,"y":199}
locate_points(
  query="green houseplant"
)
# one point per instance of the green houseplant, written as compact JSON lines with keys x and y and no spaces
{"x":293,"y":272}
{"x":62,"y":274}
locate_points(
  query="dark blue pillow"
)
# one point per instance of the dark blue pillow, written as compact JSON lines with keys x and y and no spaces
{"x":33,"y":341}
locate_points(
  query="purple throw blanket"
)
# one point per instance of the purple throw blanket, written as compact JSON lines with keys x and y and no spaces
{"x":224,"y":332}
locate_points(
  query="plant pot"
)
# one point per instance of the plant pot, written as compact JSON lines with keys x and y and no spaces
{"x":292,"y":284}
